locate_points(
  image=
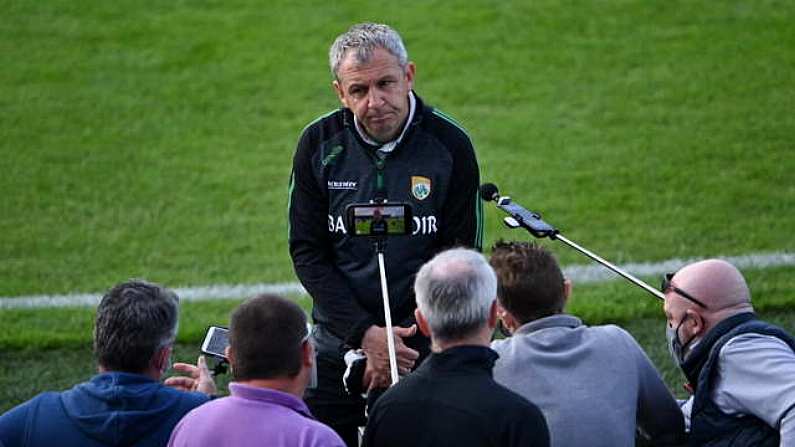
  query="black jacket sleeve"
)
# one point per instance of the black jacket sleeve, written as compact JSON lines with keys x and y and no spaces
{"x":463,"y":211}
{"x":310,"y":250}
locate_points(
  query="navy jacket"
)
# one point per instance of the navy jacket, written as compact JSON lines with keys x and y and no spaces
{"x":112,"y":409}
{"x":709,"y":425}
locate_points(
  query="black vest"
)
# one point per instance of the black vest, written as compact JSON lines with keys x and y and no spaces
{"x":708,"y":425}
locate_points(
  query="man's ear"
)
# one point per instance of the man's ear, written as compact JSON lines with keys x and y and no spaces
{"x":307,"y":354}
{"x":695,"y":323}
{"x":500,"y":310}
{"x":161,"y":358}
{"x":422,"y":323}
{"x":493,"y":315}
{"x":230,"y":354}
{"x":340,"y":92}
{"x":411,"y":71}
{"x":508,"y":321}
{"x":567,"y":286}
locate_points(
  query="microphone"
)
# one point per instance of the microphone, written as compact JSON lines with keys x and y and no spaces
{"x":489,"y":192}
{"x":519,"y":216}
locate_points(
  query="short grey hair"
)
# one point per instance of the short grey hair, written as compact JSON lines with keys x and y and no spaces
{"x":455,"y":291}
{"x":364,"y":38}
{"x":135,"y":319}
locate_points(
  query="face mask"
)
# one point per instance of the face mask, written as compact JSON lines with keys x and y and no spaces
{"x":675,"y":346}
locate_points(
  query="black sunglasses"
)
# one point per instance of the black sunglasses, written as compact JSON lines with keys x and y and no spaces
{"x":666,"y":286}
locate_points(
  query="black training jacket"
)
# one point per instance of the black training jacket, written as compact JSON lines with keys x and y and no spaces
{"x":452,"y":399}
{"x":433,"y":168}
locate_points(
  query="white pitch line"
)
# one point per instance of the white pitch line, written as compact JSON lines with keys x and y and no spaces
{"x":579,"y":274}
{"x":202,"y":293}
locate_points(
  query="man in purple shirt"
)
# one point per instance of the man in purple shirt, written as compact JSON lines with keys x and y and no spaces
{"x":271,"y":359}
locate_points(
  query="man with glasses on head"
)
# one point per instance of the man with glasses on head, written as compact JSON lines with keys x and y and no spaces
{"x":594,"y":384}
{"x":741,"y":370}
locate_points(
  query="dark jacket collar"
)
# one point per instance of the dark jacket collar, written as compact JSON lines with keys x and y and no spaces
{"x":695,"y":360}
{"x":465,"y":359}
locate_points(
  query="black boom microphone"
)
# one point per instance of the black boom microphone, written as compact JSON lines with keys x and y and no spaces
{"x":530,"y":221}
{"x":520,"y":217}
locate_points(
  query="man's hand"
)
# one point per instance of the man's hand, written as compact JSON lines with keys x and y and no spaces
{"x":373,"y":378}
{"x":198,"y":378}
{"x":374,"y":344}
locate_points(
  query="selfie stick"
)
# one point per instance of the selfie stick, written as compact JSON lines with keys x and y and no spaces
{"x":530,"y":221}
{"x":390,"y":337}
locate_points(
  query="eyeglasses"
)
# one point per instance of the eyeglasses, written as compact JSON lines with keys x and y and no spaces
{"x":666,"y":286}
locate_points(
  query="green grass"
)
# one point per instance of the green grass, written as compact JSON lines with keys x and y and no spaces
{"x":154,"y":139}
{"x":25,"y":329}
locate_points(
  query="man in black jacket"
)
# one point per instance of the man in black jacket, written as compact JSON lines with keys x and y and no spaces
{"x":452,"y":399}
{"x":384,"y":144}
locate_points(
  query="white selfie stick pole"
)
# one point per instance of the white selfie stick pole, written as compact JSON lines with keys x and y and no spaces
{"x":390,"y":337}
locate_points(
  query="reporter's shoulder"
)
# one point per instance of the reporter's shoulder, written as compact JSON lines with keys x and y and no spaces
{"x":754,"y":343}
{"x":45,"y":398}
{"x":14,"y":419}
{"x":613,"y":331}
{"x":187,"y":399}
{"x":615,"y":336}
{"x":521,"y":409}
{"x":196,"y":398}
{"x":324,"y":436}
{"x":507,"y":398}
{"x":500,"y":346}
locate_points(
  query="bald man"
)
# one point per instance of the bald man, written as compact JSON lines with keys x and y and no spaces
{"x":741,"y":370}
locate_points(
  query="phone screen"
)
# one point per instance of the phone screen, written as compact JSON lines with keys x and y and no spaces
{"x":382,"y":219}
{"x":216,"y":341}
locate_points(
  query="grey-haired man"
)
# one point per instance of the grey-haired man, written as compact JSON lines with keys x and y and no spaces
{"x":383,"y":144}
{"x":452,"y":399}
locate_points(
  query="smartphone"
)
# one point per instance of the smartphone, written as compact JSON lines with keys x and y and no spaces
{"x":215,"y":342}
{"x":378,"y":219}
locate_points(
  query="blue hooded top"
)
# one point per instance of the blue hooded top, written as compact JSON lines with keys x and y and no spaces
{"x":112,"y":409}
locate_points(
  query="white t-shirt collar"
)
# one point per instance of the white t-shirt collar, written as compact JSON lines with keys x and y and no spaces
{"x":389,"y":146}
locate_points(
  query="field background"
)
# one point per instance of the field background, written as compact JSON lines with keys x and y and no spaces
{"x":154,"y":139}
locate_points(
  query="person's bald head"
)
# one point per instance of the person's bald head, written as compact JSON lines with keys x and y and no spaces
{"x":718,"y":284}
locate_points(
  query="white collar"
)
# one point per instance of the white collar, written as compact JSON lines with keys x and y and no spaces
{"x":390,"y":146}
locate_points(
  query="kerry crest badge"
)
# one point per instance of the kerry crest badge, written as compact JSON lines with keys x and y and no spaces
{"x":420,"y":187}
